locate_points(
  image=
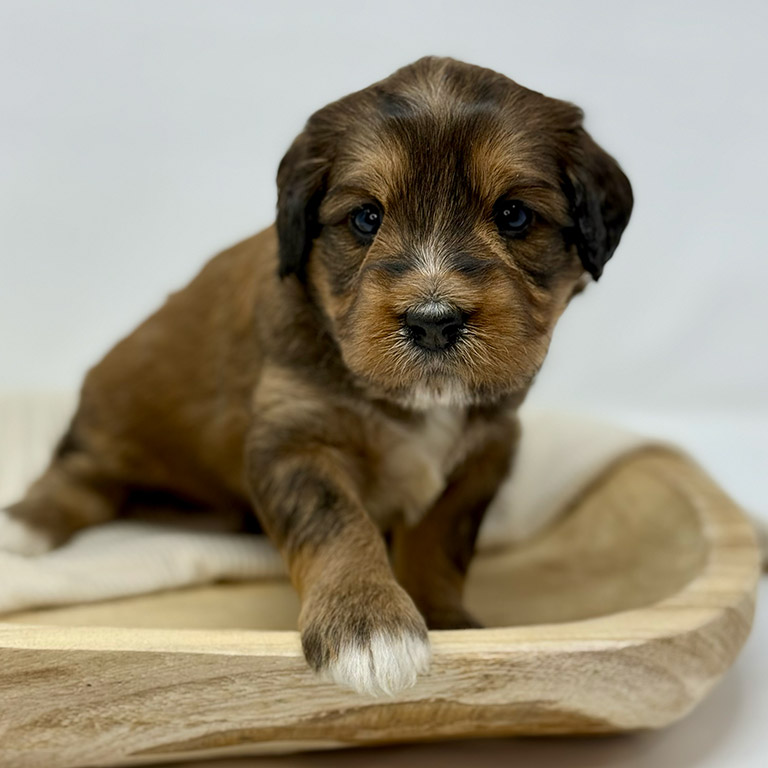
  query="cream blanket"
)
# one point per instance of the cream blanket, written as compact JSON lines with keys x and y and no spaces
{"x":559,"y":455}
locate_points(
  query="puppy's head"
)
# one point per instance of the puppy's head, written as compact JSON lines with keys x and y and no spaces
{"x":441,"y":220}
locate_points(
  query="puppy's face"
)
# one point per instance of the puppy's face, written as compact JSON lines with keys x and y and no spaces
{"x":442,"y":219}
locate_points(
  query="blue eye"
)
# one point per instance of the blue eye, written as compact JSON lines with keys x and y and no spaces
{"x":365,"y":221}
{"x":512,"y":217}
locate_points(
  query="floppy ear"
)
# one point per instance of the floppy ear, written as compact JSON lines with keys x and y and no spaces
{"x":600,"y":198}
{"x":300,"y":188}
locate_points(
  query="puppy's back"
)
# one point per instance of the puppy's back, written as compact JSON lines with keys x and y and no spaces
{"x":168,"y":405}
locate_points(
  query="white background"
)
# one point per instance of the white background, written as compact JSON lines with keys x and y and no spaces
{"x":137,"y":138}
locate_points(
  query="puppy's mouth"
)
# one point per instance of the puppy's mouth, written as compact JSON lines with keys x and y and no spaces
{"x":449,"y":373}
{"x":437,"y":354}
{"x":433,"y":344}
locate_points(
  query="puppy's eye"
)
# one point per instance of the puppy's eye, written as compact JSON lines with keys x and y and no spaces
{"x":512,"y":217}
{"x":365,"y":221}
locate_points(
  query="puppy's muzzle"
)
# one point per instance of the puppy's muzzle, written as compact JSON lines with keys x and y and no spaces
{"x":434,"y":327}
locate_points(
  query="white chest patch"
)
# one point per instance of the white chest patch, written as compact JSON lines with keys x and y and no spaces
{"x":416,"y":462}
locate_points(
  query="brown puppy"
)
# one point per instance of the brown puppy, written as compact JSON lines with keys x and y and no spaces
{"x":358,"y":370}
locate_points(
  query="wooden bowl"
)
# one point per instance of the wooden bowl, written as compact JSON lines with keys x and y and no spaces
{"x":620,"y":617}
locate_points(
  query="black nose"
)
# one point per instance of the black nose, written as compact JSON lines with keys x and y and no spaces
{"x":434,"y":329}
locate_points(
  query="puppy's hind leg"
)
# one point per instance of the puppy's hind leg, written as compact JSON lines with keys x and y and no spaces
{"x":71,"y":494}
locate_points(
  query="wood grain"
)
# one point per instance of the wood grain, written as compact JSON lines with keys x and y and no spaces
{"x":621,"y":617}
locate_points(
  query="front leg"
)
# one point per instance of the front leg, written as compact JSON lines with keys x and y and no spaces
{"x":358,"y":626}
{"x":431,"y":558}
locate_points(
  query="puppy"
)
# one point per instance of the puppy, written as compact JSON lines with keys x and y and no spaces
{"x":354,"y":372}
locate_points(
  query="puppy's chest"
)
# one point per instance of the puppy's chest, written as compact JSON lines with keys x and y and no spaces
{"x":414,"y":462}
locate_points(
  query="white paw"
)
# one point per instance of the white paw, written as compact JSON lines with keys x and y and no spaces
{"x":21,"y":539}
{"x":386,"y":665}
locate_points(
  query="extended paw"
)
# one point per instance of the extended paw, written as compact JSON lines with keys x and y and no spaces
{"x":20,"y":538}
{"x":370,"y":638}
{"x":383,"y":663}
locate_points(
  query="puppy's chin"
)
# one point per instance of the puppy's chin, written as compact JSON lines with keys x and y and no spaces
{"x":428,"y":392}
{"x":446,"y":394}
{"x":433,"y":385}
{"x":455,"y":394}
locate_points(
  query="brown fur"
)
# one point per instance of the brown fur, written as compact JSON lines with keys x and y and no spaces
{"x":281,"y":379}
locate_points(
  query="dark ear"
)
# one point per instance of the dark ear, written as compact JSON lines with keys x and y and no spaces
{"x":300,"y":188}
{"x":600,"y":198}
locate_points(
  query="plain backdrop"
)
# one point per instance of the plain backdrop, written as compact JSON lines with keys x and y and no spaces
{"x":138,"y":138}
